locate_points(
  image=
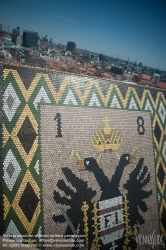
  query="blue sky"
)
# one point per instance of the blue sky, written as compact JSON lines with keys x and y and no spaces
{"x":135,"y":28}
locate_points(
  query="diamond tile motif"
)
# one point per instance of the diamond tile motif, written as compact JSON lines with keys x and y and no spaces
{"x":22,"y":207}
{"x":14,"y":135}
{"x":115,"y":103}
{"x":39,"y":232}
{"x":70,"y":99}
{"x":11,"y":102}
{"x":26,"y":77}
{"x":12,"y":230}
{"x":162,"y":112}
{"x":27,"y":134}
{"x":163,"y":218}
{"x":11,"y":170}
{"x":36,"y":167}
{"x":133,"y":104}
{"x":157,"y":132}
{"x":148,"y":106}
{"x":161,"y":174}
{"x":25,"y":209}
{"x":155,"y":154}
{"x":94,"y":101}
{"x":28,"y":202}
{"x":164,"y":151}
{"x":41,"y":97}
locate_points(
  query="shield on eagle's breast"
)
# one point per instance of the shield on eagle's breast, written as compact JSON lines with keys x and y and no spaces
{"x":111,"y":219}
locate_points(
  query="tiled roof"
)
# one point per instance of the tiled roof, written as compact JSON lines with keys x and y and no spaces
{"x":89,"y":72}
{"x":17,"y":63}
{"x":162,"y":84}
{"x":146,"y":77}
{"x":91,"y":69}
{"x":146,"y":81}
{"x":57,"y":68}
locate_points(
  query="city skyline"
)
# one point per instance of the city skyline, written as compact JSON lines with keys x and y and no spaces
{"x":128,"y":29}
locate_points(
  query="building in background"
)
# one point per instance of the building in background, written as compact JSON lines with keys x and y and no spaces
{"x":50,"y":41}
{"x":116,"y":71}
{"x":71,"y":46}
{"x":44,"y":39}
{"x":15,"y":34}
{"x":16,"y":31}
{"x":18,"y":40}
{"x":56,"y":41}
{"x":30,"y":38}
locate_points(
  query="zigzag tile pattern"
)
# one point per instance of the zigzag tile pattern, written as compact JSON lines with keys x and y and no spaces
{"x":23,"y":91}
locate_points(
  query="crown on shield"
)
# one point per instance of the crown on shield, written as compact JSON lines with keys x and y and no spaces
{"x":106,"y":139}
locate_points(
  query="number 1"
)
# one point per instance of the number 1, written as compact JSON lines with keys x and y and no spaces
{"x":58,"y":118}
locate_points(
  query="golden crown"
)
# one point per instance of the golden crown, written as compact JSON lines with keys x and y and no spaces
{"x":106,"y":139}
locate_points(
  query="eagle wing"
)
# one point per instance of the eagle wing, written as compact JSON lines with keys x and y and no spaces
{"x":138,"y":180}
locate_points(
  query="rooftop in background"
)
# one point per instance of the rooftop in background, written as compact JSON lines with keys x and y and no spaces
{"x":83,"y":62}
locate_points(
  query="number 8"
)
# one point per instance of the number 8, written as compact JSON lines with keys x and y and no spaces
{"x":140,"y":122}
